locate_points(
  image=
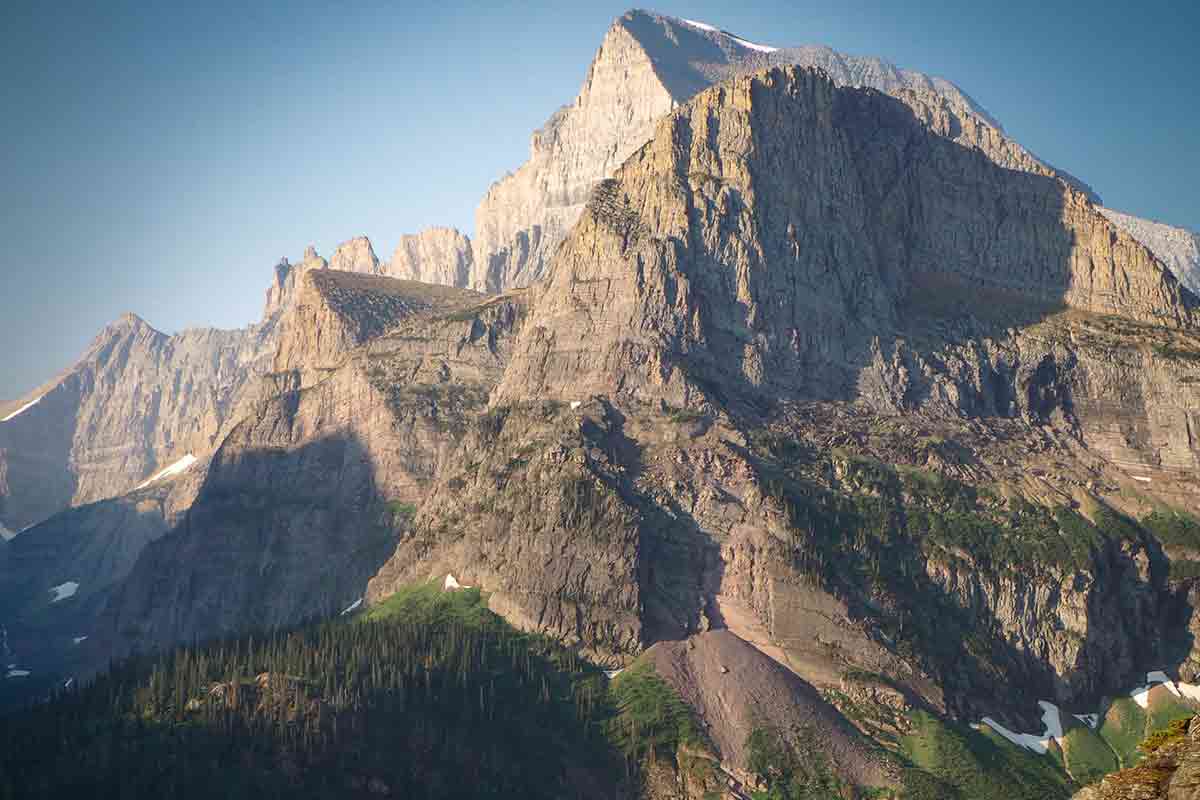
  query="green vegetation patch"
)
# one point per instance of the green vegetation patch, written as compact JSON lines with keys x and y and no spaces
{"x":1123,"y":728}
{"x":398,"y":508}
{"x":1174,"y":528}
{"x":1165,"y":710}
{"x":790,"y":772}
{"x":1087,"y":757}
{"x":651,"y":718}
{"x":948,"y":762}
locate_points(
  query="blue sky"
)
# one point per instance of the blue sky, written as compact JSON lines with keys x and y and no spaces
{"x":160,"y":158}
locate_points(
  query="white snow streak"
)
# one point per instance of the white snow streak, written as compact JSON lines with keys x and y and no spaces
{"x":182,"y":465}
{"x":23,"y":408}
{"x":1142,"y":479}
{"x":762,"y":48}
{"x":1051,"y":719}
{"x":1026,"y":740}
{"x":18,"y":673}
{"x":79,"y":639}
{"x":704,"y":26}
{"x":352,"y":607}
{"x":63,"y":591}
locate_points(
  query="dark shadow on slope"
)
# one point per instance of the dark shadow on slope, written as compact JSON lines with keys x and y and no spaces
{"x":36,"y":480}
{"x":276,"y":536}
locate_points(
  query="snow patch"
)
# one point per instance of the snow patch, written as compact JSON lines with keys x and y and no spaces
{"x":1141,"y":696}
{"x":761,"y":48}
{"x":451,"y":583}
{"x":23,"y":409}
{"x":1158,"y":676}
{"x":352,"y":607}
{"x":1142,"y":479}
{"x":18,"y":673}
{"x":1051,"y":720}
{"x":64,"y":590}
{"x":5,"y":533}
{"x":79,"y":639}
{"x":575,"y":404}
{"x":1026,"y":740}
{"x":182,"y":465}
{"x":704,"y":26}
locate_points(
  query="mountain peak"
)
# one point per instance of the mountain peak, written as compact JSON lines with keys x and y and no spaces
{"x":355,"y":255}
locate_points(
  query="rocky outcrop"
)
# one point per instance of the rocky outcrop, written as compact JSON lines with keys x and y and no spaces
{"x":283,"y":289}
{"x":334,"y":312}
{"x":1169,"y":771}
{"x":356,"y":255}
{"x":1178,"y":248}
{"x":435,"y":255}
{"x":647,"y":65}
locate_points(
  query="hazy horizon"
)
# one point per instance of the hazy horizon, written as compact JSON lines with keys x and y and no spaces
{"x":161,"y":159}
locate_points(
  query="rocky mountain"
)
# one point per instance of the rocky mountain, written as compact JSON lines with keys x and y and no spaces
{"x":304,"y":498}
{"x":139,"y":401}
{"x":785,"y":268}
{"x":136,"y":402}
{"x":647,"y":65}
{"x":828,"y":387}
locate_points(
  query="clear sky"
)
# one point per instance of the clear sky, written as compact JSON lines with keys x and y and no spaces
{"x":160,"y":158}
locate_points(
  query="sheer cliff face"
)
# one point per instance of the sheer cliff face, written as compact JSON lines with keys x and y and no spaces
{"x":647,"y":65}
{"x":1178,"y":248}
